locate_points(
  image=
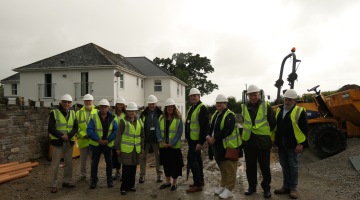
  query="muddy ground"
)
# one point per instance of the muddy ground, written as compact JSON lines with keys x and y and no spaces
{"x":332,"y":178}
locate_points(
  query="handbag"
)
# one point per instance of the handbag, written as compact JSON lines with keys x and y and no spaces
{"x":232,"y":154}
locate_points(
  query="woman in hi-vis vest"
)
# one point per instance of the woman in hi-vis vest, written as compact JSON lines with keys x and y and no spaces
{"x":120,"y":113}
{"x":129,"y":144}
{"x":169,"y":131}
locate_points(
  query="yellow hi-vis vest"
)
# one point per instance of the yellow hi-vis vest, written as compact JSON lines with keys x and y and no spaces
{"x":122,"y":116}
{"x":99,"y":131}
{"x":295,"y":114}
{"x":131,"y":137}
{"x":173,"y":128}
{"x":62,"y":125}
{"x":261,"y":127}
{"x":82,"y":123}
{"x":194,"y":122}
{"x":233,"y":140}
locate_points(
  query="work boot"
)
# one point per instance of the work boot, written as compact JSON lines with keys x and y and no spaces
{"x":141,"y":179}
{"x":267,"y":194}
{"x":282,"y":191}
{"x":293,"y":194}
{"x":110,"y":184}
{"x":53,"y":190}
{"x":250,"y":191}
{"x":93,"y":184}
{"x":194,"y":189}
{"x":202,"y":183}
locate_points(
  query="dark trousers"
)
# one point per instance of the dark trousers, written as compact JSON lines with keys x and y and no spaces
{"x":95,"y":164}
{"x":196,"y":164}
{"x":289,"y":161}
{"x":252,"y":156}
{"x":128,"y":177}
{"x":115,"y":161}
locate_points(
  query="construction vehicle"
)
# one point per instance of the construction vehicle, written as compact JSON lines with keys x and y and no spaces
{"x":332,"y":118}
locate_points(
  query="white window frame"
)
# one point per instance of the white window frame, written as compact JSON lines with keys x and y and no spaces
{"x":181,"y":90}
{"x":137,"y":82}
{"x":178,"y":89}
{"x":158,"y":85}
{"x":14,"y":90}
{"x":121,"y":81}
{"x":142,"y":83}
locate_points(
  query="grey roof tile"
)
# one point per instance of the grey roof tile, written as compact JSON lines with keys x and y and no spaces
{"x":14,"y":77}
{"x":147,"y":67}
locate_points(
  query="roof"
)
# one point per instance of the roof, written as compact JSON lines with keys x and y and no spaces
{"x":86,"y":55}
{"x":14,"y":77}
{"x":147,"y":67}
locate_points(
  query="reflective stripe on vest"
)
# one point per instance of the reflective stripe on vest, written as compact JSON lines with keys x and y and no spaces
{"x":173,"y":128}
{"x":99,"y":131}
{"x":62,"y":125}
{"x":295,"y":114}
{"x":261,"y":126}
{"x":82,"y":124}
{"x":233,"y":140}
{"x":194,"y":122}
{"x":131,"y":137}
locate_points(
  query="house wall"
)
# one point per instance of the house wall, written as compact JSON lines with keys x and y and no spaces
{"x":131,"y":92}
{"x":8,"y":89}
{"x":102,"y":85}
{"x":179,"y":99}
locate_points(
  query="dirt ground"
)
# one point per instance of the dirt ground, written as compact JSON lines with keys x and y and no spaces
{"x":314,"y":183}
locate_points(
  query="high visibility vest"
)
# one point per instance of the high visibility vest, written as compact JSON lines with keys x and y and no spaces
{"x":82,"y":123}
{"x":99,"y":131}
{"x":261,"y":127}
{"x":131,"y":137}
{"x":173,"y":128}
{"x":295,"y":114}
{"x":122,"y":116}
{"x":233,"y":140}
{"x":62,"y":125}
{"x":194,"y":122}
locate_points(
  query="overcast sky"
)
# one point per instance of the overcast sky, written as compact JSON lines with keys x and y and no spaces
{"x":245,"y":40}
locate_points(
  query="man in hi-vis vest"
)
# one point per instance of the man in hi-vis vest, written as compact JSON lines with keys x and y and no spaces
{"x":259,"y":121}
{"x":83,"y":117}
{"x":196,"y":126}
{"x":102,"y":132}
{"x":289,"y":136}
{"x":62,"y":127}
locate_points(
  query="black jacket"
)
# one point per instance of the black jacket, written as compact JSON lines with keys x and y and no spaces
{"x":261,"y":142}
{"x":52,"y":129}
{"x":150,"y":135}
{"x":285,"y":133}
{"x":203,"y":121}
{"x":219,"y":135}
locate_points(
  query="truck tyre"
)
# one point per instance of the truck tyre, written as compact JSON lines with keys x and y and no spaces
{"x":326,"y":140}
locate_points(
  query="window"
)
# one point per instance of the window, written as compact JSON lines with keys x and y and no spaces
{"x":142,"y":83}
{"x":84,"y":83}
{"x":14,"y":89}
{"x":178,"y":89}
{"x":157,"y":86}
{"x":48,"y":85}
{"x":137,"y":82}
{"x":121,"y":81}
{"x":181,"y":111}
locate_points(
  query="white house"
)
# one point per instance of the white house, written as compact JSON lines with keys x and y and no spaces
{"x":97,"y":71}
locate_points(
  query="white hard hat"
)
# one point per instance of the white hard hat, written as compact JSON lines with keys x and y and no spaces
{"x":194,"y":91}
{"x":169,"y":102}
{"x":221,"y":98}
{"x":88,"y":97}
{"x":291,"y":94}
{"x":132,"y":106}
{"x":151,"y":99}
{"x":66,"y":97}
{"x":253,"y":88}
{"x":120,"y":100}
{"x":104,"y":102}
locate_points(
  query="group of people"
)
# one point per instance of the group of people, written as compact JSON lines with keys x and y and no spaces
{"x":125,"y":140}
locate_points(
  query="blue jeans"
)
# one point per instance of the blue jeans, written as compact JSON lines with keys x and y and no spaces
{"x":196,"y":164}
{"x":290,"y":166}
{"x":95,"y":163}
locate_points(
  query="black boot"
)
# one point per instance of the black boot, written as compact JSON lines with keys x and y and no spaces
{"x":267,"y":194}
{"x":250,"y":191}
{"x":93,"y":185}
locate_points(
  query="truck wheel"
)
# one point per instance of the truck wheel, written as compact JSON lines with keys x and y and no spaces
{"x":326,"y":140}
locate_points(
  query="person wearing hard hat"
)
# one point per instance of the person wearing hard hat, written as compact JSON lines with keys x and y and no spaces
{"x":196,"y":126}
{"x":120,"y":113}
{"x":150,"y":117}
{"x":83,"y":117}
{"x":129,"y":145}
{"x":259,"y":121}
{"x":169,"y":131}
{"x":289,"y":136}
{"x":224,"y":134}
{"x":102,"y":130}
{"x":62,"y":128}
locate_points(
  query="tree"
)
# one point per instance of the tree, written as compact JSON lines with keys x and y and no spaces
{"x":232,"y":104}
{"x":191,"y":69}
{"x":1,"y":90}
